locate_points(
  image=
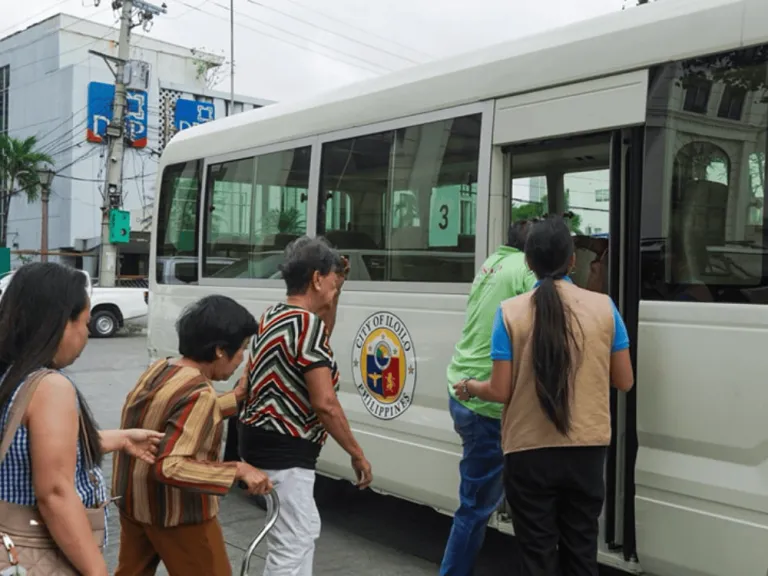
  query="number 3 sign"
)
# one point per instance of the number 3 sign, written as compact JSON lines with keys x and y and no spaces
{"x":444,"y":216}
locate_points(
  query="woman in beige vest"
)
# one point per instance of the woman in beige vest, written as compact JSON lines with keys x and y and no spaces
{"x":569,"y":346}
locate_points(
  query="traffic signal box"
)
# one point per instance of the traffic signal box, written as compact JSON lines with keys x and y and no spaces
{"x":5,"y":260}
{"x":119,"y":226}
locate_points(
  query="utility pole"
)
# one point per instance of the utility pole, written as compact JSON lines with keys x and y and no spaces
{"x":231,"y":57}
{"x":113,"y":197}
{"x":45,"y":195}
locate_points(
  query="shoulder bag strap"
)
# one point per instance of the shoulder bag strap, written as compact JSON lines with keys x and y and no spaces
{"x":18,"y":408}
{"x":87,"y":451}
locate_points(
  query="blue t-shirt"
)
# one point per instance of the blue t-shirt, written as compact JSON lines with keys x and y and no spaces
{"x":501,"y":345}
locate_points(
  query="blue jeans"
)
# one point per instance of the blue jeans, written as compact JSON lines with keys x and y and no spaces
{"x":481,"y":490}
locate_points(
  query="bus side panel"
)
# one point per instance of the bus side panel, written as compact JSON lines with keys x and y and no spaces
{"x":702,"y":466}
{"x":414,"y":455}
{"x":165,"y":306}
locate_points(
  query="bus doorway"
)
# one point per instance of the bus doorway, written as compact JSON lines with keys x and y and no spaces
{"x":591,"y":181}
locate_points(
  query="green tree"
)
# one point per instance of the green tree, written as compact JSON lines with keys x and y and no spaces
{"x":20,"y":165}
{"x":743,"y":68}
{"x":529,"y":210}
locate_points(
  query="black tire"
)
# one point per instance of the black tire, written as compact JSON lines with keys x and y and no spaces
{"x":104,"y":324}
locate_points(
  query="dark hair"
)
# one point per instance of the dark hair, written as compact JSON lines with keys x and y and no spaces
{"x":548,"y":250}
{"x":305,"y":256}
{"x":517,"y":233}
{"x":34,"y":311}
{"x":213,"y":322}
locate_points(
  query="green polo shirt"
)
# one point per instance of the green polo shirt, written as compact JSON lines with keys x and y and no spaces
{"x":503,"y":275}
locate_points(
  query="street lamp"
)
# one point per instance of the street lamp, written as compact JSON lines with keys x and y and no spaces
{"x":45,"y":177}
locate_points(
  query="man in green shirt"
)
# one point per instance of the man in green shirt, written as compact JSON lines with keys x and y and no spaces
{"x":503,"y":275}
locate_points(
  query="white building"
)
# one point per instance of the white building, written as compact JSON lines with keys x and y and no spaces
{"x":53,"y":87}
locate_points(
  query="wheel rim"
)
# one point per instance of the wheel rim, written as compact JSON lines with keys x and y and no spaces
{"x":104,"y":325}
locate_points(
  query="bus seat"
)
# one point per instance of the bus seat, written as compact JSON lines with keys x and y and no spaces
{"x":407,"y":238}
{"x":591,"y":267}
{"x":350,"y":240}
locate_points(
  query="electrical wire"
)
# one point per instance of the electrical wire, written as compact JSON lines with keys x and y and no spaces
{"x":101,"y":180}
{"x":329,"y":31}
{"x":187,"y":11}
{"x":77,"y":20}
{"x":290,"y":32}
{"x":35,"y":15}
{"x":77,"y":160}
{"x":65,"y":137}
{"x":278,"y":38}
{"x":26,"y":126}
{"x":59,"y":54}
{"x":367,"y":32}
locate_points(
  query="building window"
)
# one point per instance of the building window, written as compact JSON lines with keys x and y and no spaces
{"x":5,"y":88}
{"x":702,"y":219}
{"x":256,"y":207}
{"x":602,"y":195}
{"x":697,"y":91}
{"x":230,"y":110}
{"x":403,"y":202}
{"x":732,"y":102}
{"x":177,"y":227}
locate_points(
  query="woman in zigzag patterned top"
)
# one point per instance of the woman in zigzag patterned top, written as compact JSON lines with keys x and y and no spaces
{"x":291,"y":404}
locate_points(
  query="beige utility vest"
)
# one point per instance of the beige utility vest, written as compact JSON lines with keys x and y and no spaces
{"x":524,"y":424}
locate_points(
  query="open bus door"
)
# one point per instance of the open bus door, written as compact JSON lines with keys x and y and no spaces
{"x":607,"y":260}
{"x":624,"y":287}
{"x":595,"y":181}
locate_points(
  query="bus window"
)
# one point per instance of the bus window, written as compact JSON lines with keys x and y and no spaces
{"x":576,"y":172}
{"x":257,"y":207}
{"x":177,"y":223}
{"x":703,"y":221}
{"x":402,"y":202}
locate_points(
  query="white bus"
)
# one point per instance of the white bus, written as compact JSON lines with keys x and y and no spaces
{"x":649,"y":125}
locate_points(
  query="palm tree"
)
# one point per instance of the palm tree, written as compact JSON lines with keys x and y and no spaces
{"x":288,"y":221}
{"x":20,"y":165}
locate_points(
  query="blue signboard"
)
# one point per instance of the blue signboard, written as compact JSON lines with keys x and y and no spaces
{"x":100,"y":102}
{"x":191,"y":113}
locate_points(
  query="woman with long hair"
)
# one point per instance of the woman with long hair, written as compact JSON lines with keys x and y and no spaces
{"x":53,"y":461}
{"x":556,"y":351}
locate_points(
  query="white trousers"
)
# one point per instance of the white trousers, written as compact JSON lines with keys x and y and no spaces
{"x":291,"y":542}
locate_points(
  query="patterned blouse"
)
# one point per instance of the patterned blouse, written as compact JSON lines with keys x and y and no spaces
{"x":16,"y":470}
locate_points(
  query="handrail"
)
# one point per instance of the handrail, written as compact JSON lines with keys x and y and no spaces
{"x":273,"y":510}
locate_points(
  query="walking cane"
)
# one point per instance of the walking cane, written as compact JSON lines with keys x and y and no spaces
{"x":273,"y":510}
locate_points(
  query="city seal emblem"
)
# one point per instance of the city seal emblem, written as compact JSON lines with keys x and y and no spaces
{"x":384,"y":365}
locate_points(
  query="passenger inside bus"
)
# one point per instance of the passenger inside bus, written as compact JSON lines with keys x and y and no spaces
{"x":569,"y":178}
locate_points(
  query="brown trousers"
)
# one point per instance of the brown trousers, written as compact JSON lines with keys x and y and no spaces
{"x":185,"y":550}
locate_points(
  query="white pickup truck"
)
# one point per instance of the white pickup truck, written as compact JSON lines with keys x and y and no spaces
{"x":111,"y":308}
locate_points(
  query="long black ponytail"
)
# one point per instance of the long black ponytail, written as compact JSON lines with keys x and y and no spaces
{"x":549,"y":251}
{"x":34,"y":311}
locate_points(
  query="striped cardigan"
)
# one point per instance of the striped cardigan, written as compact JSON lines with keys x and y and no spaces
{"x":184,"y":484}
